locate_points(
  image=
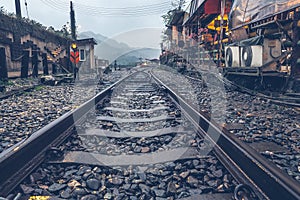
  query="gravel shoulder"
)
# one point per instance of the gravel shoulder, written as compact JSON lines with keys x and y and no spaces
{"x":252,"y":119}
{"x":23,"y":114}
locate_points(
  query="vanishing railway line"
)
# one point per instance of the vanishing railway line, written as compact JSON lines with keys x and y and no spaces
{"x":138,"y":140}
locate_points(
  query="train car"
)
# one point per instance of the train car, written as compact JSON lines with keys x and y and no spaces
{"x":247,"y":39}
{"x":264,"y":39}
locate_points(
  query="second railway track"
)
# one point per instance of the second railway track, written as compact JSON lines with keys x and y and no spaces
{"x":138,"y":140}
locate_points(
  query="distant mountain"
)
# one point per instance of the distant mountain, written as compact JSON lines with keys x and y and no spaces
{"x":112,"y":50}
{"x":148,"y":53}
{"x":90,"y":34}
{"x":100,"y":39}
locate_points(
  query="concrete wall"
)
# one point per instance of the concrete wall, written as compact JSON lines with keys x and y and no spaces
{"x":17,"y":35}
{"x":89,"y":63}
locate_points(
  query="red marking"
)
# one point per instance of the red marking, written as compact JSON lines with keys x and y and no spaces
{"x":212,"y":7}
{"x":74,"y":57}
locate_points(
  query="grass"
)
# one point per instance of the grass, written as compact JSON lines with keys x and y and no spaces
{"x":6,"y":83}
{"x":39,"y":88}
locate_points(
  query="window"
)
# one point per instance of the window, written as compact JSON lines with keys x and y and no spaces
{"x":82,"y":55}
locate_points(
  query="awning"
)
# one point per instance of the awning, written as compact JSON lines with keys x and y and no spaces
{"x":245,"y":11}
{"x":203,"y":7}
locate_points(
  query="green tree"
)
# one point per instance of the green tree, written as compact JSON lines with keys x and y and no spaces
{"x":51,"y":29}
{"x":177,"y":5}
{"x":66,"y":30}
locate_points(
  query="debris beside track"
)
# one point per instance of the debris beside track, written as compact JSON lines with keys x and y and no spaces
{"x":257,"y":119}
{"x":24,"y":113}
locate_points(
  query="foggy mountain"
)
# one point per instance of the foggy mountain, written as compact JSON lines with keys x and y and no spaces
{"x":112,"y":50}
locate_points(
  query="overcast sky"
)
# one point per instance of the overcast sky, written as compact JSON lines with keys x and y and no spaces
{"x":110,"y":18}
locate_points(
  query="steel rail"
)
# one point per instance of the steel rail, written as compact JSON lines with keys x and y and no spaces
{"x":17,"y":91}
{"x":247,"y":165}
{"x":284,"y":100}
{"x":17,"y":162}
{"x":20,"y":160}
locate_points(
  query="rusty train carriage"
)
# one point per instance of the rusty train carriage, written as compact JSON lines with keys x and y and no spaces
{"x":243,"y":37}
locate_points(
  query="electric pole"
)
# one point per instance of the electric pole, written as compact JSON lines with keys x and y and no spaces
{"x":73,"y":22}
{"x":74,"y":43}
{"x":18,"y":8}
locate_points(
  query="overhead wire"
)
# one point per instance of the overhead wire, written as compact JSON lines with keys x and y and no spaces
{"x":99,"y":10}
{"x":137,"y":7}
{"x":141,"y":10}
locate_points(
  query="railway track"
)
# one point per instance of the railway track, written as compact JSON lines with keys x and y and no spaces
{"x":289,"y":99}
{"x":24,"y":112}
{"x":16,"y":92}
{"x":269,"y":128}
{"x":139,"y":140}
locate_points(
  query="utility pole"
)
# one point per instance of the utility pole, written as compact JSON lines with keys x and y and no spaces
{"x":18,"y":8}
{"x":74,"y":43}
{"x":73,"y":22}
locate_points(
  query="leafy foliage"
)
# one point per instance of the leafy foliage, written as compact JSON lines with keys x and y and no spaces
{"x":177,"y":5}
{"x":63,"y":32}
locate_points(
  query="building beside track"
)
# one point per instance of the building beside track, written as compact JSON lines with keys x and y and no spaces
{"x":28,"y":48}
{"x":237,"y":37}
{"x":87,"y":60}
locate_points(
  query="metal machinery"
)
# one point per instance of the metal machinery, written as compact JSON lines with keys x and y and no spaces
{"x":266,"y":33}
{"x":247,"y":38}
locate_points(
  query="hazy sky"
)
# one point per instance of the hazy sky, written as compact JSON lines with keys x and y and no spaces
{"x":110,"y":18}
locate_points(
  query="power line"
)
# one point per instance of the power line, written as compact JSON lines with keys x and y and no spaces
{"x":137,"y":7}
{"x":141,"y":10}
{"x":148,"y":9}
